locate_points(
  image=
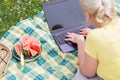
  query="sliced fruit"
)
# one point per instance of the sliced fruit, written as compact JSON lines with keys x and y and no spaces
{"x":35,"y":45}
{"x":25,"y":52}
{"x":17,"y":48}
{"x":25,"y":40}
{"x":33,"y":52}
{"x":31,"y":46}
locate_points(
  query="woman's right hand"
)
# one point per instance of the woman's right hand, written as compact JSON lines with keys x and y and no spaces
{"x":75,"y":38}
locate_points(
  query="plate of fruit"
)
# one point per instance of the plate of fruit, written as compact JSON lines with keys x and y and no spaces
{"x":29,"y":46}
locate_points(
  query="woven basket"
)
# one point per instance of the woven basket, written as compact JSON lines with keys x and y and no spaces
{"x":5,"y":55}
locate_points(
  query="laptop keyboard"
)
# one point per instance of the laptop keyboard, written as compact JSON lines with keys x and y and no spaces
{"x":61,"y":37}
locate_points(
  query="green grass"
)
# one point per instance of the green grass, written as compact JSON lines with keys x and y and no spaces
{"x":12,"y":11}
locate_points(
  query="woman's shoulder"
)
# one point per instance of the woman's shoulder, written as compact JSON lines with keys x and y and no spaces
{"x":115,"y":21}
{"x":97,"y":33}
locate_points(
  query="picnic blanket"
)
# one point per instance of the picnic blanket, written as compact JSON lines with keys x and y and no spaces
{"x":52,"y":63}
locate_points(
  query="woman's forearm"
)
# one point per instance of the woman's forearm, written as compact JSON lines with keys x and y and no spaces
{"x":86,"y":63}
{"x":81,"y":54}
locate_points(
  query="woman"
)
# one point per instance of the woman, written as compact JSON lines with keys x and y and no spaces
{"x":100,"y":52}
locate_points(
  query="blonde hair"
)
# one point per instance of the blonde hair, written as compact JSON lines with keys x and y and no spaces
{"x":103,"y":10}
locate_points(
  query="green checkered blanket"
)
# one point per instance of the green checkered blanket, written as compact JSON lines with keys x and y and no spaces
{"x":52,"y":63}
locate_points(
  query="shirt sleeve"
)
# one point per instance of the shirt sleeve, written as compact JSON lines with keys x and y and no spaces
{"x":90,"y":47}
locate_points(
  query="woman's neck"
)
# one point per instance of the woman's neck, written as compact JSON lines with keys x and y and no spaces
{"x":93,"y":21}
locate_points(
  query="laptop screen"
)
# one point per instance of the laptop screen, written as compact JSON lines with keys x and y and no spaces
{"x":63,"y":14}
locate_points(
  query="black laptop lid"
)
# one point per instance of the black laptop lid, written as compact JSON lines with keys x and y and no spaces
{"x":63,"y":13}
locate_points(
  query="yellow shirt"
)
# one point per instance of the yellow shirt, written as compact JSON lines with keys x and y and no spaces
{"x":103,"y":44}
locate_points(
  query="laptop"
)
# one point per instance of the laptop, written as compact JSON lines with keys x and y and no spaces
{"x":64,"y":16}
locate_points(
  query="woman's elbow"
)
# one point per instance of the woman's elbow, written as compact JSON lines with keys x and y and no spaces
{"x":88,"y":73}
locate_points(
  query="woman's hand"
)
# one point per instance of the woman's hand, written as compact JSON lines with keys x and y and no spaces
{"x":75,"y":38}
{"x":85,"y":31}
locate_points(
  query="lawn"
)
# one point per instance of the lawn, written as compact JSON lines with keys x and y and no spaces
{"x":12,"y":11}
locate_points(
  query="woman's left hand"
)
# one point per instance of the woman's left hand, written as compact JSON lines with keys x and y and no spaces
{"x":85,"y":31}
{"x":75,"y":38}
